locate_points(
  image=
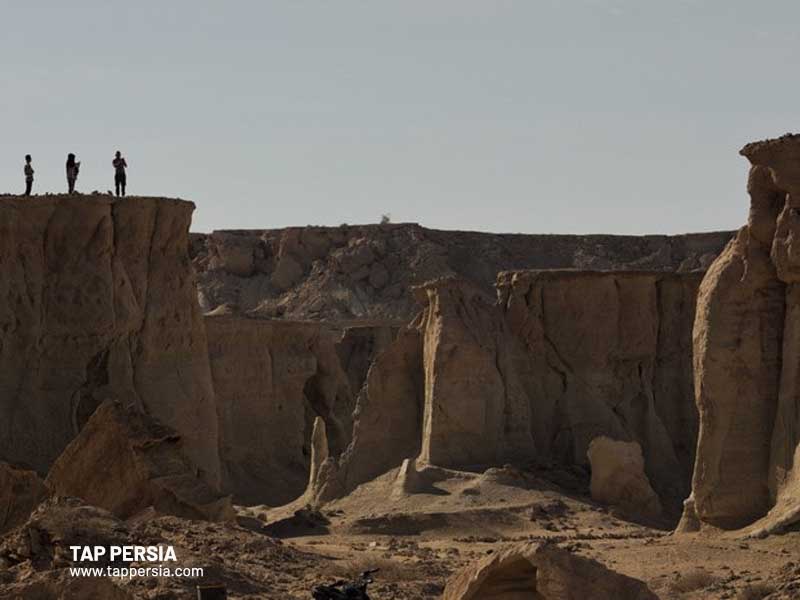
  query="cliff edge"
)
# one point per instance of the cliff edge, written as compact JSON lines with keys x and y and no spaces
{"x":98,"y":301}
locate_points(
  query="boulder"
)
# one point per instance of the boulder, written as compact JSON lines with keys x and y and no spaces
{"x":21,"y":491}
{"x":542,"y":572}
{"x":43,"y":541}
{"x":125,"y":461}
{"x":619,"y":479}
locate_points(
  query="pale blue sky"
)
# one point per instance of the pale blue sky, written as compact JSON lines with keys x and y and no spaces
{"x":610,"y":116}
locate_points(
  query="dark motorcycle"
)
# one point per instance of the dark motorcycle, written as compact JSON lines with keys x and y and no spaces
{"x":344,"y":590}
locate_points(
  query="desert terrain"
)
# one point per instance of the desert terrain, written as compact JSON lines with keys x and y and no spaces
{"x":479,"y":416}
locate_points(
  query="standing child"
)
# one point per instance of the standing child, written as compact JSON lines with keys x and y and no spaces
{"x":28,"y":175}
{"x":120,"y":178}
{"x":73,"y":167}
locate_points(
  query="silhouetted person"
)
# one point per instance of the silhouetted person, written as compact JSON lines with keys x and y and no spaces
{"x":73,"y":167}
{"x":28,"y":175}
{"x":120,"y":178}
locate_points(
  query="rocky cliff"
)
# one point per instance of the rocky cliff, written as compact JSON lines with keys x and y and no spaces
{"x":368,"y":271}
{"x":272,"y":378}
{"x":558,"y":359}
{"x":746,"y":350}
{"x":98,"y":301}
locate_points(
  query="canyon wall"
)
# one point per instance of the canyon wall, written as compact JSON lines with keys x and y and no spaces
{"x":98,"y":301}
{"x":367,"y":272}
{"x":558,"y":359}
{"x":746,"y":348}
{"x":272,"y":378}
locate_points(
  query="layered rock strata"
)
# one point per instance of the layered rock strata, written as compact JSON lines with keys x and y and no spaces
{"x":367,"y":272}
{"x":542,"y":572}
{"x":746,"y":347}
{"x":560,"y":358}
{"x":272,"y":378}
{"x":125,"y":462}
{"x":97,"y":301}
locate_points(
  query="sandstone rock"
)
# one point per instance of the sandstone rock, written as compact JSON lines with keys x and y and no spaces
{"x":538,"y":374}
{"x":746,"y":337}
{"x":35,"y":559}
{"x":359,"y":346}
{"x":785,"y":513}
{"x":287,"y":272}
{"x":414,"y":255}
{"x":737,"y":337}
{"x":271,"y":379}
{"x":319,"y":455}
{"x":356,"y":256}
{"x":233,"y":253}
{"x":21,"y":491}
{"x":125,"y":462}
{"x":99,"y":301}
{"x":690,"y":522}
{"x":618,"y":477}
{"x":360,"y":274}
{"x":606,"y":354}
{"x":465,"y":409}
{"x":378,"y":276}
{"x":387,"y":424}
{"x":407,"y":481}
{"x":543,"y":572}
{"x":554,"y":364}
{"x":45,"y":538}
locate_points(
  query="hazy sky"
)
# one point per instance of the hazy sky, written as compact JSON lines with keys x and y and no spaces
{"x":612,"y":116}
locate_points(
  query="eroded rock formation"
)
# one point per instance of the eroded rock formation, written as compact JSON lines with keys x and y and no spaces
{"x":272,"y":378}
{"x":98,"y":300}
{"x":21,"y":491}
{"x":125,"y":462}
{"x":387,"y":422}
{"x":560,"y":358}
{"x":38,"y":553}
{"x":542,"y":572}
{"x":746,"y":345}
{"x":368,"y":271}
{"x":358,"y":347}
{"x":618,"y":477}
{"x":36,"y":558}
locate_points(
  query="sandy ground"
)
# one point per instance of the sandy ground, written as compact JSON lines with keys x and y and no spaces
{"x":419,"y":540}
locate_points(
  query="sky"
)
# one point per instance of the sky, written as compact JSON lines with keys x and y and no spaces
{"x":531,"y":116}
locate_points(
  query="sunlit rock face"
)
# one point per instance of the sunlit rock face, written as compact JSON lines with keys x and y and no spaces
{"x":98,"y":301}
{"x":747,"y":357}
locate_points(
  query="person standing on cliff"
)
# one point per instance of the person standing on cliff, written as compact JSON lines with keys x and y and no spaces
{"x":28,"y":175}
{"x":120,"y":178}
{"x":73,"y":167}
